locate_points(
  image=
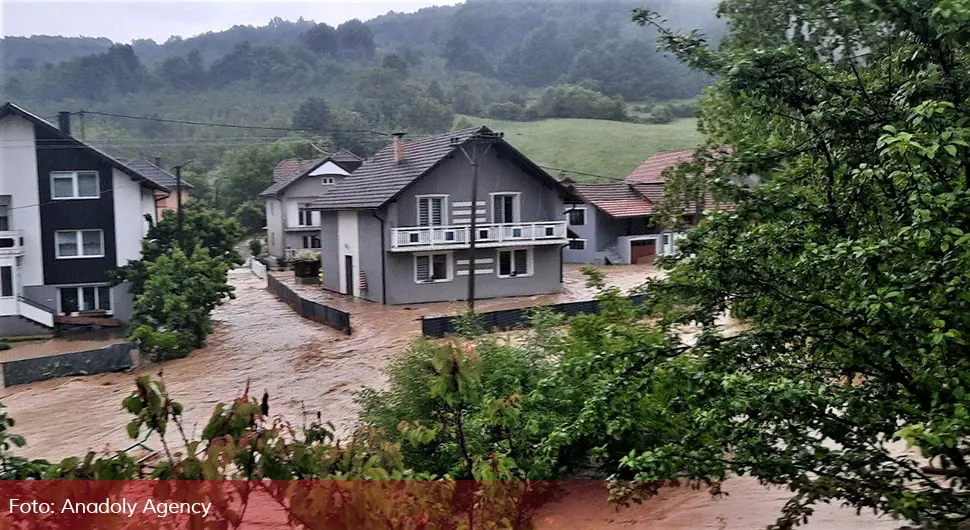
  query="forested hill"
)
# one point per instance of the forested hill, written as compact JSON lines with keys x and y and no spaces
{"x":518,"y":60}
{"x":521,"y":43}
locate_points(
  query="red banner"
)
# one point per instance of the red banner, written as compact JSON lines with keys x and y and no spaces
{"x":274,"y":504}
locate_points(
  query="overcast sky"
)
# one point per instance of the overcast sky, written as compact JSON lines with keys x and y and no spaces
{"x":125,"y":21}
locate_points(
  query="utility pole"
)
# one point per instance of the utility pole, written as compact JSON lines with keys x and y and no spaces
{"x":178,"y":202}
{"x":480,"y":143}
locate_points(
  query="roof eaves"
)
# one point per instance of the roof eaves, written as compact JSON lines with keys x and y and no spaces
{"x":9,"y":108}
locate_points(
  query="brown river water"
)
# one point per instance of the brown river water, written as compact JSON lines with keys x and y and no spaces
{"x":308,"y":367}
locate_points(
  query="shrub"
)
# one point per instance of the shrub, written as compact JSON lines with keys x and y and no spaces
{"x":683,"y":110}
{"x":166,"y":305}
{"x":255,"y":247}
{"x":660,"y":116}
{"x":4,"y":345}
{"x":251,"y":215}
{"x":160,"y":345}
{"x":506,"y":110}
{"x":571,"y":101}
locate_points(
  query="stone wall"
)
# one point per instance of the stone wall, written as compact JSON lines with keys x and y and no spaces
{"x":114,"y":358}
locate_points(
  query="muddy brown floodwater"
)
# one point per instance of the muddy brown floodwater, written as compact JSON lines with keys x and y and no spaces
{"x":307,"y":366}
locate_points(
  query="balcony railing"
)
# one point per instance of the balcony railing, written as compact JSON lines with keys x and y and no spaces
{"x":488,"y":235}
{"x":11,"y":242}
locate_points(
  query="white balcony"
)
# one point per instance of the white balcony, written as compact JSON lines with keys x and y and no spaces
{"x":11,"y":243}
{"x":422,"y":238}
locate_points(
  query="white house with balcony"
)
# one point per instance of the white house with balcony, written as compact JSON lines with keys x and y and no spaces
{"x":290,"y":223}
{"x":68,"y":214}
{"x":398,"y":230}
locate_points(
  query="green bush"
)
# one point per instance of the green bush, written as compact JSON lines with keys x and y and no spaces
{"x":161,"y":345}
{"x":506,"y":110}
{"x":4,"y":345}
{"x":660,"y":116}
{"x":255,"y":247}
{"x":683,"y":110}
{"x":571,"y":101}
{"x":251,"y":215}
{"x":494,"y":381}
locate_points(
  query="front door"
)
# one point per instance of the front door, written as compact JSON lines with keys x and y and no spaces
{"x":348,"y":275}
{"x":643,"y":251}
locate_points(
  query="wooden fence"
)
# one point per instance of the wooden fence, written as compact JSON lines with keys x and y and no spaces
{"x":335,"y":318}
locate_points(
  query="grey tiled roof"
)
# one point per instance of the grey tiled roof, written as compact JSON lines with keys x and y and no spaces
{"x":381,"y":178}
{"x":158,"y":175}
{"x":346,"y":160}
{"x":66,"y":140}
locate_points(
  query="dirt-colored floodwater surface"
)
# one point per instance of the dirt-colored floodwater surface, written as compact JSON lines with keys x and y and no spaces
{"x":306,"y":366}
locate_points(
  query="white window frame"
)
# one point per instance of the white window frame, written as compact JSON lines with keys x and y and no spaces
{"x":449,"y":267}
{"x":79,"y":241}
{"x":80,"y":297}
{"x":74,"y":185}
{"x":585,"y":214}
{"x":529,"y":262}
{"x":571,"y":241}
{"x":516,"y":205}
{"x":444,"y":209}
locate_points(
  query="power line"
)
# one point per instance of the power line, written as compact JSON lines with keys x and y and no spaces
{"x":60,"y":201}
{"x":227,"y":125}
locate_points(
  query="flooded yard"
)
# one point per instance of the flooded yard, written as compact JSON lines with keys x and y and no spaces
{"x":306,"y":366}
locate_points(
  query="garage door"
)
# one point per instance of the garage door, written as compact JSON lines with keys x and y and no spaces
{"x":643,"y":251}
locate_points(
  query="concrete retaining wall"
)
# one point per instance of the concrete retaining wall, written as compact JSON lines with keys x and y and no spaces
{"x":114,"y":358}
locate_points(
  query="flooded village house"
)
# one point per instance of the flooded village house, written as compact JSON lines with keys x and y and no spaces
{"x":69,"y":213}
{"x":290,"y":223}
{"x":396,"y":231}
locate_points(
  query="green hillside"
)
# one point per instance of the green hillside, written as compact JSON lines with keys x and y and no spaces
{"x":607,"y":148}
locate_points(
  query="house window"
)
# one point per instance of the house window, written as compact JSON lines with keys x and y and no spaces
{"x":505,"y":208}
{"x":304,"y":215}
{"x":577,"y":244}
{"x":75,"y":185}
{"x":577,"y":217}
{"x":4,"y":216}
{"x":79,"y":244}
{"x":328,"y":180}
{"x":432,"y":268}
{"x":311,"y":242}
{"x":6,"y":282}
{"x":87,"y":298}
{"x":431,"y":210}
{"x":272,"y":238}
{"x":514,"y":262}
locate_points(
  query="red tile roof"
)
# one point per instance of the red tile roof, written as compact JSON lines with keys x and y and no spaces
{"x":651,"y":169}
{"x":617,"y":200}
{"x":291,"y":166}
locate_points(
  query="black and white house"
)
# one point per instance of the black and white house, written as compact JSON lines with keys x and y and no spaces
{"x":69,"y":213}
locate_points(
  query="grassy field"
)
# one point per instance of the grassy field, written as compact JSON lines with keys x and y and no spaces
{"x":607,"y":148}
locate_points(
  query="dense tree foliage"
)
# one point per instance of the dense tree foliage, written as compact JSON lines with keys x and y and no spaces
{"x":847,"y":257}
{"x":313,"y":115}
{"x":169,"y":319}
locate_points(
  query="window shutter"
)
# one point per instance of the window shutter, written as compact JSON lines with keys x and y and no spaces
{"x":497,"y":209}
{"x":521,"y":261}
{"x":422,"y":265}
{"x":436,"y":218}
{"x":423,"y":214}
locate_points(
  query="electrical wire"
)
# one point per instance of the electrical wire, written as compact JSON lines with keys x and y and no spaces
{"x":61,"y":201}
{"x":227,"y":125}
